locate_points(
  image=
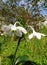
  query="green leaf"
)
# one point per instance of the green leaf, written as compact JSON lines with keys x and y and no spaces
{"x":20,"y":59}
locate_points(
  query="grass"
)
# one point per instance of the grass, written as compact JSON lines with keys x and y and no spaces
{"x":34,"y":48}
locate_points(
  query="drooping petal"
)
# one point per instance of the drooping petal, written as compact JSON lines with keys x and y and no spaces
{"x":21,"y":29}
{"x":42,"y":34}
{"x":13,"y":28}
{"x":10,"y":25}
{"x":16,"y":23}
{"x":3,"y":27}
{"x":31,"y":36}
{"x":38,"y":35}
{"x":6,"y":30}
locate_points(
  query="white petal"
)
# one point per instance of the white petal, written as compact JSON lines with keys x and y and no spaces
{"x":38,"y":35}
{"x":3,"y":27}
{"x":10,"y":25}
{"x":31,"y":36}
{"x":16,"y":23}
{"x":13,"y":28}
{"x":22,"y":29}
{"x":42,"y":34}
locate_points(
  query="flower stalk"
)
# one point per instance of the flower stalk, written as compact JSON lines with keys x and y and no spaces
{"x":14,"y":57}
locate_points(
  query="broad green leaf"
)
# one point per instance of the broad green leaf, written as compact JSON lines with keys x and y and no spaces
{"x":23,"y":58}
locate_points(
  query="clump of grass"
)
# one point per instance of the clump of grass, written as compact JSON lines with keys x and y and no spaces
{"x":35,"y":49}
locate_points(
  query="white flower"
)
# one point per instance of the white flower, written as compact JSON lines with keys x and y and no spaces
{"x":7,"y":29}
{"x":36,"y":34}
{"x":19,"y":30}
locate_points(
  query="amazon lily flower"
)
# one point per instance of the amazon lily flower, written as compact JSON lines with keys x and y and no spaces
{"x":19,"y":30}
{"x":36,"y":34}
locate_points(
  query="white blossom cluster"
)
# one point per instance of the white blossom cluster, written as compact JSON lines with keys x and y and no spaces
{"x":19,"y":30}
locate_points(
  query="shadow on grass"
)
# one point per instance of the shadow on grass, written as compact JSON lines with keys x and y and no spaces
{"x":30,"y":63}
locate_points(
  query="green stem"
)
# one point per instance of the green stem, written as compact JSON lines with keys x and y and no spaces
{"x":16,"y":51}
